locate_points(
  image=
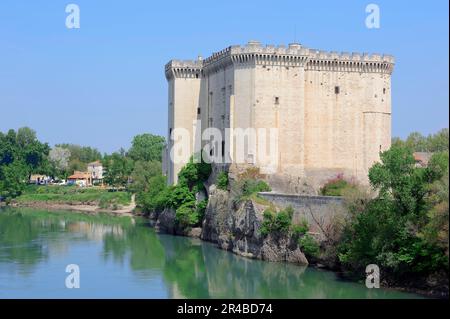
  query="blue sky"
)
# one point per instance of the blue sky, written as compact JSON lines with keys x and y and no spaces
{"x":104,"y":83}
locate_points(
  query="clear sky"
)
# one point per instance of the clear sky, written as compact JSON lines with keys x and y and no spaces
{"x":104,"y":83}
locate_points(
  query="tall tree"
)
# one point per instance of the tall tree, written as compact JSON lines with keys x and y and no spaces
{"x":59,"y":158}
{"x":147,"y":147}
{"x":117,"y":169}
{"x":21,"y":154}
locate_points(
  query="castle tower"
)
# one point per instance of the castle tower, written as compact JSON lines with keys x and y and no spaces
{"x":184,"y":81}
{"x":331,"y":111}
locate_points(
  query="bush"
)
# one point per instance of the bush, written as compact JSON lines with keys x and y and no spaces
{"x":391,"y":229}
{"x":336,"y":186}
{"x":309,"y":246}
{"x":251,"y":186}
{"x":186,"y":214}
{"x":301,"y":228}
{"x":179,"y":195}
{"x":276,"y":222}
{"x":222,"y":180}
{"x":201,"y":208}
{"x":193,"y":174}
{"x":190,"y":214}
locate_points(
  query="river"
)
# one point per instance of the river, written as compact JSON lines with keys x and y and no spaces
{"x":120,"y":257}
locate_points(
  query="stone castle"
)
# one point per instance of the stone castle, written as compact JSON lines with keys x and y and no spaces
{"x":332,"y":110}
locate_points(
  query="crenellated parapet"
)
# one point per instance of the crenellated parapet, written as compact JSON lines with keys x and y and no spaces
{"x":346,"y":62}
{"x":294,"y":55}
{"x":255,"y":54}
{"x":184,"y":69}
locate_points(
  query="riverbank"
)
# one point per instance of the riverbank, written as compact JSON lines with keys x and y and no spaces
{"x":88,"y":200}
{"x":237,"y":229}
{"x":85,"y":208}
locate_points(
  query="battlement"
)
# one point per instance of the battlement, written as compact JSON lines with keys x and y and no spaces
{"x":293,"y":55}
{"x":184,"y":68}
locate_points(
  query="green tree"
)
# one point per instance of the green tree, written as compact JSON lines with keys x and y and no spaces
{"x":388,"y":230}
{"x":142,"y":174}
{"x":147,"y":147}
{"x":13,"y":179}
{"x":193,"y":175}
{"x":437,"y":142}
{"x":21,"y":154}
{"x":118,"y":169}
{"x":417,"y":142}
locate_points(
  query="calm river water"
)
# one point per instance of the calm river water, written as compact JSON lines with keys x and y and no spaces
{"x":122,"y":258}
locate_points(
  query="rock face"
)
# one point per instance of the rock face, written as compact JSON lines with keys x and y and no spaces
{"x":165,"y":223}
{"x":237,"y":230}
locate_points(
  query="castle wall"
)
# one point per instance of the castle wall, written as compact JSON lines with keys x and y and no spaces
{"x":243,"y":110}
{"x":340,"y":134}
{"x":332,"y":111}
{"x":217,"y":105}
{"x":279,"y":103}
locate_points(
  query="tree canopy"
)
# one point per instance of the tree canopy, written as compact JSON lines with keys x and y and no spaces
{"x":402,"y":228}
{"x":21,"y":154}
{"x":417,"y":142}
{"x":147,"y":147}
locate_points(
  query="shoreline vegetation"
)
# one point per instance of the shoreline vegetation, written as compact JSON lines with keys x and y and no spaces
{"x":72,"y":198}
{"x":399,"y":223}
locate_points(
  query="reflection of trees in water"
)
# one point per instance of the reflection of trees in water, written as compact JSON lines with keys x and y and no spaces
{"x":28,"y":236}
{"x":184,"y":268}
{"x":140,"y":243}
{"x":190,"y":268}
{"x":19,"y":241}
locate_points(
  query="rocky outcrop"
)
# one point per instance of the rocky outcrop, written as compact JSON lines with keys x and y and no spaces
{"x":165,"y":223}
{"x":237,"y":230}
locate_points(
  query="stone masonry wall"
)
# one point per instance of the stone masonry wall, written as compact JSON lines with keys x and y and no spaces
{"x":319,"y":211}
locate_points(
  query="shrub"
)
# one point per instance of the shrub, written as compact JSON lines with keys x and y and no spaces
{"x":194,"y":174}
{"x":150,"y":201}
{"x":201,"y":208}
{"x":301,"y":228}
{"x":276,"y":222}
{"x":186,"y":214}
{"x":179,"y":195}
{"x":309,"y":245}
{"x":251,"y":186}
{"x":190,"y":213}
{"x":103,"y":203}
{"x":222,"y":180}
{"x":335,"y":186}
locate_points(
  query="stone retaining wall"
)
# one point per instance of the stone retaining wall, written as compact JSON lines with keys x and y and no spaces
{"x":319,"y":211}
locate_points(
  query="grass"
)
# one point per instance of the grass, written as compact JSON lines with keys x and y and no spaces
{"x":261,"y":201}
{"x":74,"y":195}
